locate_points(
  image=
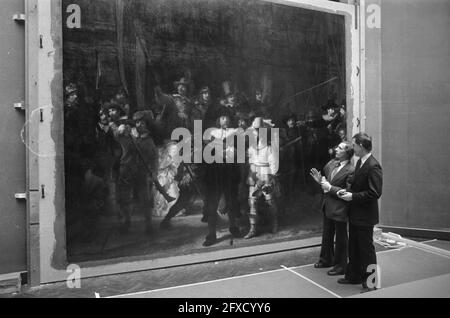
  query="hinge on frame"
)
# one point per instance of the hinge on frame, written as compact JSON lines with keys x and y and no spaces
{"x":20,"y":196}
{"x":19,"y":17}
{"x":19,"y":105}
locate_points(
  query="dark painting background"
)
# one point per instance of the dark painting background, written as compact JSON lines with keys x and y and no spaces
{"x":252,"y":44}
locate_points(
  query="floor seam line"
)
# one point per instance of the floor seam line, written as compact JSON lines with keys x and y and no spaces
{"x":311,"y":281}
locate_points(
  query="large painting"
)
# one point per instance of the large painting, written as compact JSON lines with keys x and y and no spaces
{"x":142,"y":77}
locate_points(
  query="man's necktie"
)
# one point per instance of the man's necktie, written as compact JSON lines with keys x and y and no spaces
{"x":358,"y":164}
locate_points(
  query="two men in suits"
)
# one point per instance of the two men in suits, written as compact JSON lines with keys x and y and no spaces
{"x":337,"y":173}
{"x":363,"y":192}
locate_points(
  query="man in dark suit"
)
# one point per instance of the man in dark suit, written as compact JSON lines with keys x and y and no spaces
{"x":337,"y":172}
{"x":364,"y":190}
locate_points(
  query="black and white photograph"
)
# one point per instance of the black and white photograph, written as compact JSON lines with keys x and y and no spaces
{"x":224,"y":149}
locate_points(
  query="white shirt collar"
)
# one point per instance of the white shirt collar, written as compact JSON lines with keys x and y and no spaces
{"x":343,"y":163}
{"x":364,"y":158}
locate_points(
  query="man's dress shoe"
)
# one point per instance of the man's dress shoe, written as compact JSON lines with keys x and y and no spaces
{"x":367,"y":289}
{"x":336,"y":272}
{"x":345,"y":281}
{"x":320,"y":264}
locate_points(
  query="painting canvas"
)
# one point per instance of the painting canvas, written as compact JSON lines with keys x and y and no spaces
{"x":136,"y":71}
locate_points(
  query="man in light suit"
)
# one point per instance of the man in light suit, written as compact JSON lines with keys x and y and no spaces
{"x":337,"y":172}
{"x":364,"y":190}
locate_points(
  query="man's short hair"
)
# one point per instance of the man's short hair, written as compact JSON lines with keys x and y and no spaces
{"x":364,"y":140}
{"x":349,"y":151}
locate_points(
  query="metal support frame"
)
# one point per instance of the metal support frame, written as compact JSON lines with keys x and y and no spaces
{"x":32,"y":139}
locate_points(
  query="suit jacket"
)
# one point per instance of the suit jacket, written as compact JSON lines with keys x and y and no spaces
{"x":333,"y":207}
{"x":366,"y":186}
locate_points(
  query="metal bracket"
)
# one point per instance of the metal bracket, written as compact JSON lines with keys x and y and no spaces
{"x":19,"y":106}
{"x":20,"y":196}
{"x":19,"y":17}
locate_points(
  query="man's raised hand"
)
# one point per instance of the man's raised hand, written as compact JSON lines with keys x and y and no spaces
{"x":315,"y":174}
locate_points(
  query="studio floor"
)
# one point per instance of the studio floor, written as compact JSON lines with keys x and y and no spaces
{"x":405,"y":272}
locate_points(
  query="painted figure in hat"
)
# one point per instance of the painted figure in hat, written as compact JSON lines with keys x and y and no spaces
{"x":230,"y":107}
{"x":259,"y":106}
{"x":291,"y":160}
{"x":72,"y":143}
{"x":104,"y":157}
{"x":105,"y":143}
{"x":202,"y":104}
{"x":221,"y":179}
{"x":149,"y":157}
{"x":125,"y":166}
{"x":180,"y":102}
{"x":71,"y":115}
{"x":121,"y":98}
{"x":243,"y":122}
{"x":71,"y":92}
